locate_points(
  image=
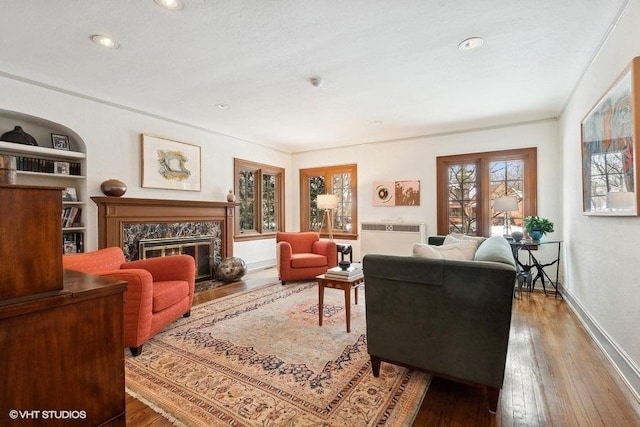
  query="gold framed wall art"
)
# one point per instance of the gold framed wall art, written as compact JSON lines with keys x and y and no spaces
{"x":170,"y":164}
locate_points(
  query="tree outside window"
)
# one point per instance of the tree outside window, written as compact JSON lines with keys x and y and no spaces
{"x":339,"y":180}
{"x":259,"y":192}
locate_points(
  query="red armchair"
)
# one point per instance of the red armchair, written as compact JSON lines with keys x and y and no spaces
{"x":303,"y":255}
{"x":159,"y":289}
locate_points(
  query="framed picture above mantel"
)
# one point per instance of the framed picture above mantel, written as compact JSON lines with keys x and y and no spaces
{"x":170,"y":164}
{"x":609,"y":143}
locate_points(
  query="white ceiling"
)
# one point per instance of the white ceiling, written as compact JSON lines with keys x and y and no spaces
{"x":394,"y":61}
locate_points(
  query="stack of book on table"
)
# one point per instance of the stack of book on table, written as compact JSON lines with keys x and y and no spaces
{"x":354,"y":271}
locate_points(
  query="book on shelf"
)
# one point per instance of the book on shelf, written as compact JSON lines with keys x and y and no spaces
{"x":71,"y":216}
{"x":33,"y":164}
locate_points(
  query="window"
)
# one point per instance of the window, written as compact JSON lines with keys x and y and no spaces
{"x":468,"y":183}
{"x":260,"y":193}
{"x":339,"y":180}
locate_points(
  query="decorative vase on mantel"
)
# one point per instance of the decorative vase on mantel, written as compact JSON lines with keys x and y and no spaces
{"x":536,"y":234}
{"x":113,"y":188}
{"x":231,"y":197}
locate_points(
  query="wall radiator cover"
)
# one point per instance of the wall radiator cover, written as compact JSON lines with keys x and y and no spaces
{"x":388,"y":238}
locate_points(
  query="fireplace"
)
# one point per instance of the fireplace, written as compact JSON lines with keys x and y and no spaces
{"x":200,"y":248}
{"x":192,"y":226}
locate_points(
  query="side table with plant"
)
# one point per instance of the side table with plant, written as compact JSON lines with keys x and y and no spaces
{"x":536,"y":226}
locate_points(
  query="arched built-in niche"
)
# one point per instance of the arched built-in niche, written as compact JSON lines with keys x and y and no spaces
{"x":42,"y":165}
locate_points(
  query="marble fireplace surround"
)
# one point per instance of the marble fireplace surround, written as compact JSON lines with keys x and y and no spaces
{"x":123,"y":221}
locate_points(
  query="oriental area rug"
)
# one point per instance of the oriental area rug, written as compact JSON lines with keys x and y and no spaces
{"x":260,"y":359}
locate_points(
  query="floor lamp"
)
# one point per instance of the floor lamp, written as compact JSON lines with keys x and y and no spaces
{"x":328,"y":202}
{"x":506,"y":204}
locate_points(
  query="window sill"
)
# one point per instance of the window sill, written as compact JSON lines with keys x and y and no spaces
{"x":253,"y":236}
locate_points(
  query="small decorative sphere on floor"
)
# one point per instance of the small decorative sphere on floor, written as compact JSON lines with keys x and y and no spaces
{"x":231,"y":269}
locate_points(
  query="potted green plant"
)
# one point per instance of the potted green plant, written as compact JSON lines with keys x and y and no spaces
{"x":536,"y":226}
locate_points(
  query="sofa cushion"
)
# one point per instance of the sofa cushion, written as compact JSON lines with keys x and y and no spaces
{"x":463,"y":251}
{"x":306,"y":260}
{"x":495,"y":249}
{"x":166,"y":294}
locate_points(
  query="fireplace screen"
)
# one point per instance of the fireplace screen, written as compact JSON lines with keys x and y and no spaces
{"x":200,"y":248}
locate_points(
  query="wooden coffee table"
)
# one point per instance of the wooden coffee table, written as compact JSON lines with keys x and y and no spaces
{"x":346,"y":285}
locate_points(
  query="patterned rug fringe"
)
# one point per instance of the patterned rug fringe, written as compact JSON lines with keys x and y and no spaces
{"x":156,"y":408}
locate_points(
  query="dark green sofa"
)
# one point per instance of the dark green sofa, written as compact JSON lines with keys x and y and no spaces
{"x":449,"y":318}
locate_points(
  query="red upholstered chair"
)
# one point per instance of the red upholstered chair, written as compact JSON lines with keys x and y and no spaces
{"x":159,"y":291}
{"x":303,"y":255}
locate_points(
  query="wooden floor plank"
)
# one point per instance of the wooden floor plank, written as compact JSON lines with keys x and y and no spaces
{"x":555,"y":375}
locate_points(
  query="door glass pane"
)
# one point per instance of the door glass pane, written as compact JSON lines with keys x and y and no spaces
{"x":247,"y":200}
{"x":316,"y":186}
{"x":506,"y":179}
{"x":269,"y":197}
{"x":342,"y":220}
{"x":462,"y":199}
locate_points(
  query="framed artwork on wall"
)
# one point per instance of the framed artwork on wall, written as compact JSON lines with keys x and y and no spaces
{"x":396,"y":193}
{"x":609,"y":143}
{"x":170,"y":164}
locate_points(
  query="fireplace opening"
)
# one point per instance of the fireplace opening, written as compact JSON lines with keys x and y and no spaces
{"x":200,"y":248}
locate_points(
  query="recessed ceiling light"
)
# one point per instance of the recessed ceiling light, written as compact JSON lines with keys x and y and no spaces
{"x":376,"y":122}
{"x":222,"y":106}
{"x":471,"y":43}
{"x":169,"y":4}
{"x":105,"y":41}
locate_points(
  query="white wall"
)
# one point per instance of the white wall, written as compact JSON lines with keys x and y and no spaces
{"x":602,"y":252}
{"x":415,"y":159}
{"x":112,"y":138}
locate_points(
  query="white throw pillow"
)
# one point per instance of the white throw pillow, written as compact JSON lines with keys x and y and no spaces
{"x":456,"y":238}
{"x":464,"y":251}
{"x":426,"y":251}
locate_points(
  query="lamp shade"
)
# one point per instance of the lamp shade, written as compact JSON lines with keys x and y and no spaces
{"x":505,"y":204}
{"x":327,"y":201}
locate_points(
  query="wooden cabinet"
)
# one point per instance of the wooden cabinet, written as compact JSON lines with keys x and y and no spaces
{"x":62,"y":352}
{"x":61,"y":332}
{"x":31,"y":242}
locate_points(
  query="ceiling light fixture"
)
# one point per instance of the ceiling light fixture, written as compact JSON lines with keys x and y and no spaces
{"x":376,"y":122}
{"x":471,"y":43}
{"x":170,"y":4}
{"x":222,"y":106}
{"x":104,"y":41}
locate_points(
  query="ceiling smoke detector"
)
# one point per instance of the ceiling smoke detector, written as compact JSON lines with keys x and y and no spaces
{"x":315,"y":81}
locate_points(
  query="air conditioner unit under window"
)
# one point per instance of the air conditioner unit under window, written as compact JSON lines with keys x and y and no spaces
{"x":391,"y":238}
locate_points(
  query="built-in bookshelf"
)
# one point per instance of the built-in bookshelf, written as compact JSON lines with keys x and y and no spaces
{"x":43,"y":165}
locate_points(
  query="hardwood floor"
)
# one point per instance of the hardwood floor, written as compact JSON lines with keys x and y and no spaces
{"x":555,"y":375}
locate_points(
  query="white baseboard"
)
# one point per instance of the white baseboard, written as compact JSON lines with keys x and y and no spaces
{"x":621,"y":362}
{"x":261,"y":265}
